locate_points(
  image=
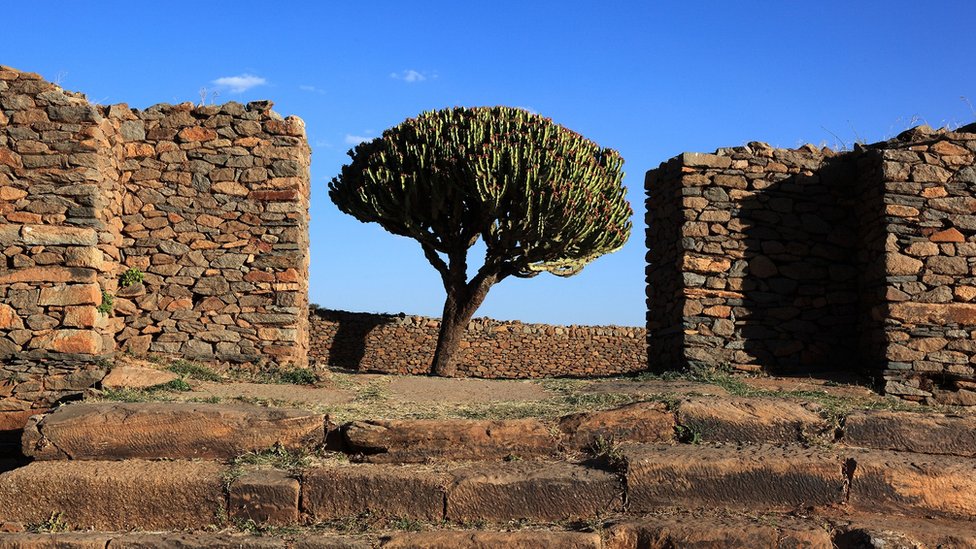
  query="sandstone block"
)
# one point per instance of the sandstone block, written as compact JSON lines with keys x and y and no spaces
{"x":86,"y":342}
{"x":134,"y":377}
{"x":338,"y":491}
{"x":913,"y":483}
{"x":531,"y":490}
{"x":934,"y":313}
{"x":119,"y":430}
{"x":54,"y":235}
{"x":491,"y":540}
{"x":639,"y":422}
{"x":716,"y":532}
{"x":744,"y":477}
{"x":71,"y":294}
{"x":266,"y":497}
{"x":197,"y":133}
{"x":750,"y":420}
{"x":47,"y":274}
{"x":115,"y":495}
{"x":417,"y":441}
{"x":923,"y":433}
{"x":71,"y":540}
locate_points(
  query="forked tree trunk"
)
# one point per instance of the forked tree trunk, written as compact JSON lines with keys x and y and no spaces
{"x":460,"y":306}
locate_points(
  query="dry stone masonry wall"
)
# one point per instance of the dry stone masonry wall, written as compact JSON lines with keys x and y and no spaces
{"x":401,"y":344}
{"x":791,"y":261}
{"x":210,"y":203}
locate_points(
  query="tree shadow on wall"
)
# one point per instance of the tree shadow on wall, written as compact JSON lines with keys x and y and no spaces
{"x":348,"y":348}
{"x":801,"y":304}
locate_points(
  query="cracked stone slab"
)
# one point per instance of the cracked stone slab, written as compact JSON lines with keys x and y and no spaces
{"x":175,"y":430}
{"x":923,"y":433}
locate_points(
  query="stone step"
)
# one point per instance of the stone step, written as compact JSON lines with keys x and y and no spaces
{"x":641,"y":479}
{"x":672,"y":530}
{"x":150,"y":430}
{"x":105,"y":431}
{"x":793,"y":478}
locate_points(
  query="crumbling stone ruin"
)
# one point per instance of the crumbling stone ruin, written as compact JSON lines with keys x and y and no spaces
{"x":792,"y":261}
{"x":205,"y":208}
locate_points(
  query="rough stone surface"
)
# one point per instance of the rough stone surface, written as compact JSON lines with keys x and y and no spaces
{"x":266,"y":497}
{"x":115,"y":495}
{"x":913,"y":483}
{"x":55,"y":541}
{"x":715,"y":532}
{"x":750,"y":420}
{"x":750,"y":477}
{"x":119,"y":430}
{"x":417,"y":441}
{"x":924,"y":433}
{"x":492,"y":540}
{"x":639,"y":422}
{"x":339,"y":491}
{"x":531,"y":490}
{"x":134,"y":377}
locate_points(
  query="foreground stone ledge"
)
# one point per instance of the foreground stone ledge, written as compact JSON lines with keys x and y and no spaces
{"x":417,"y":441}
{"x":492,"y":540}
{"x":339,"y":491}
{"x":913,"y":483}
{"x":934,"y":313}
{"x":716,"y":532}
{"x":894,"y":531}
{"x":114,"y":495}
{"x":638,"y":422}
{"x":754,"y":420}
{"x":750,"y":477}
{"x":532,"y":490}
{"x":151,"y":430}
{"x":911,"y":432}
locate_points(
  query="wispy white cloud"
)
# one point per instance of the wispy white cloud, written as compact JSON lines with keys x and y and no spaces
{"x":411,"y":76}
{"x":240,"y":83}
{"x":530,"y":110}
{"x":311,"y":89}
{"x":356,"y":139}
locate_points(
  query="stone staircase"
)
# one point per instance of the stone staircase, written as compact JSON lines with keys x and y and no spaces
{"x":694,"y":472}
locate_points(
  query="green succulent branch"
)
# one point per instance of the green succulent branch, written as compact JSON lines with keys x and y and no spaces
{"x":541,"y":197}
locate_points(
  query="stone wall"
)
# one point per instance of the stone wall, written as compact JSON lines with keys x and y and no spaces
{"x":209,"y":203}
{"x":928,"y":223}
{"x":216,"y":216}
{"x":792,"y":261}
{"x":401,"y":344}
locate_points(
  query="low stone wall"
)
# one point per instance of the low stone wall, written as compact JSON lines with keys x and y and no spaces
{"x":401,"y":344}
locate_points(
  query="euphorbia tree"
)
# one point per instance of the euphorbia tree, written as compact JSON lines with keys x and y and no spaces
{"x":542,"y":197}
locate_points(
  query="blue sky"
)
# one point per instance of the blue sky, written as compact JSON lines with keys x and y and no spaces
{"x":650,"y":79}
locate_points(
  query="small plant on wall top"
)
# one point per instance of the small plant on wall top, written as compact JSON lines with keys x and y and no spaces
{"x":541,"y":197}
{"x":130,"y":277}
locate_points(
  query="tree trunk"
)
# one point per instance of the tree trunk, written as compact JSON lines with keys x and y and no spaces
{"x":460,"y":306}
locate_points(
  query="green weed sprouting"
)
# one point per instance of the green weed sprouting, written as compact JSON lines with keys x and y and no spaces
{"x":108,"y":301}
{"x":130,"y":277}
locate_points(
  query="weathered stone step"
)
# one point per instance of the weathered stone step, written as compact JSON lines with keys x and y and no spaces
{"x":682,"y":529}
{"x":149,"y":430}
{"x":924,"y":433}
{"x":792,"y":477}
{"x":196,"y":494}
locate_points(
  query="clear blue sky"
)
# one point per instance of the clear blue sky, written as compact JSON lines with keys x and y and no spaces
{"x":648,"y":78}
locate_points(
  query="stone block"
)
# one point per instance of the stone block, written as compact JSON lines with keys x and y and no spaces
{"x":639,"y":422}
{"x":109,"y":496}
{"x":526,"y":539}
{"x":338,"y":491}
{"x":923,"y":433}
{"x":750,"y":420}
{"x":418,"y":441}
{"x":118,"y":430}
{"x":750,"y":477}
{"x":265,"y":496}
{"x":532,"y":490}
{"x":55,"y":235}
